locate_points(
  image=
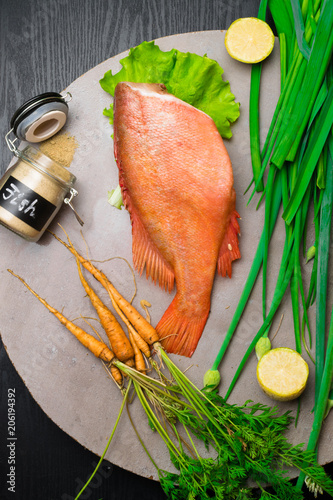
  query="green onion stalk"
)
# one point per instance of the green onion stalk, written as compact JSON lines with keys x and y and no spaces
{"x":329,"y":404}
{"x":324,"y":352}
{"x":322,"y":276}
{"x":322,"y":402}
{"x":254,"y":111}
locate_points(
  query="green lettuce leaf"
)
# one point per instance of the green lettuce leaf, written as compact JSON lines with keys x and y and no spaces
{"x":194,"y":79}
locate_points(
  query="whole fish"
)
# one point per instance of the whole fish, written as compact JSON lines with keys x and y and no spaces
{"x":177,"y":184}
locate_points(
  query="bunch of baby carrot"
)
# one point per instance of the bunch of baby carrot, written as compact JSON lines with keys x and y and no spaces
{"x":184,"y":415}
{"x":122,"y":350}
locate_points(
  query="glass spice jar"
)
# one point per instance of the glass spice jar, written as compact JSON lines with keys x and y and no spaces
{"x":32,"y":192}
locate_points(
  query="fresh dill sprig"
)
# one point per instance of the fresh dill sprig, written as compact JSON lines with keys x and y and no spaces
{"x":248,"y":442}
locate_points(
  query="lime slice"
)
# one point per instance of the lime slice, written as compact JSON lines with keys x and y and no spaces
{"x":249,"y":40}
{"x":282,"y":373}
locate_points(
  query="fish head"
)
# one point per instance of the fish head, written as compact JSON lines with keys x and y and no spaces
{"x":133,"y":102}
{"x":130,"y":100}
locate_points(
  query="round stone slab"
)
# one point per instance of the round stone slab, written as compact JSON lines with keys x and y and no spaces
{"x":68,"y":383}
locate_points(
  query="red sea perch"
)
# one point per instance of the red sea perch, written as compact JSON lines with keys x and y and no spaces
{"x":177,"y":185}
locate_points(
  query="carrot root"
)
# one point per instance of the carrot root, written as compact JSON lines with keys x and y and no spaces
{"x":140,"y":342}
{"x":140,"y":364}
{"x":141,"y":325}
{"x":98,"y":348}
{"x":130,"y":363}
{"x":120,"y":344}
{"x":116,"y":375}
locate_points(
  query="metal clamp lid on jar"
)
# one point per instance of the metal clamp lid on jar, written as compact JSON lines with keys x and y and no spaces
{"x":39,"y":118}
{"x":36,"y":120}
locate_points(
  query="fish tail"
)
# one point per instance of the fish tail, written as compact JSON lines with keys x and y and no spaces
{"x":178,"y":333}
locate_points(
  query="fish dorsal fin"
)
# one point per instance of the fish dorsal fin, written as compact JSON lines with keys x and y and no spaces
{"x":145,"y":254}
{"x":229,"y":250}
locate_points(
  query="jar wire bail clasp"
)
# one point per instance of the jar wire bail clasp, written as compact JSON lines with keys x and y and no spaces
{"x":67,"y":97}
{"x":68,"y":202}
{"x":10,"y":142}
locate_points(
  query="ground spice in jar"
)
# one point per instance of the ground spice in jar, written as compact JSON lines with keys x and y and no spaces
{"x":60,"y":148}
{"x":32,"y":192}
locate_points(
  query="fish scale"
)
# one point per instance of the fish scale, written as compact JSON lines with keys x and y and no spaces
{"x":177,"y":185}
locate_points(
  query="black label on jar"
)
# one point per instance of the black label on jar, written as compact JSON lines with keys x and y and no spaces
{"x":25,"y":204}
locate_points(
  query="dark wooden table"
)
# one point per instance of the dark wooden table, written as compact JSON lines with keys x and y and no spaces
{"x":45,"y":45}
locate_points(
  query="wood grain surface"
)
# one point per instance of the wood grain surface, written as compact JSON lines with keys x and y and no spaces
{"x":45,"y":45}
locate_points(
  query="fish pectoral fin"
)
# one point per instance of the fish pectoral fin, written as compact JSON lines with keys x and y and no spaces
{"x":145,"y":254}
{"x":229,"y":250}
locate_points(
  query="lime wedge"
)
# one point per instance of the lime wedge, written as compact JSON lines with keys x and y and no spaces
{"x":282,"y":373}
{"x":249,"y":40}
